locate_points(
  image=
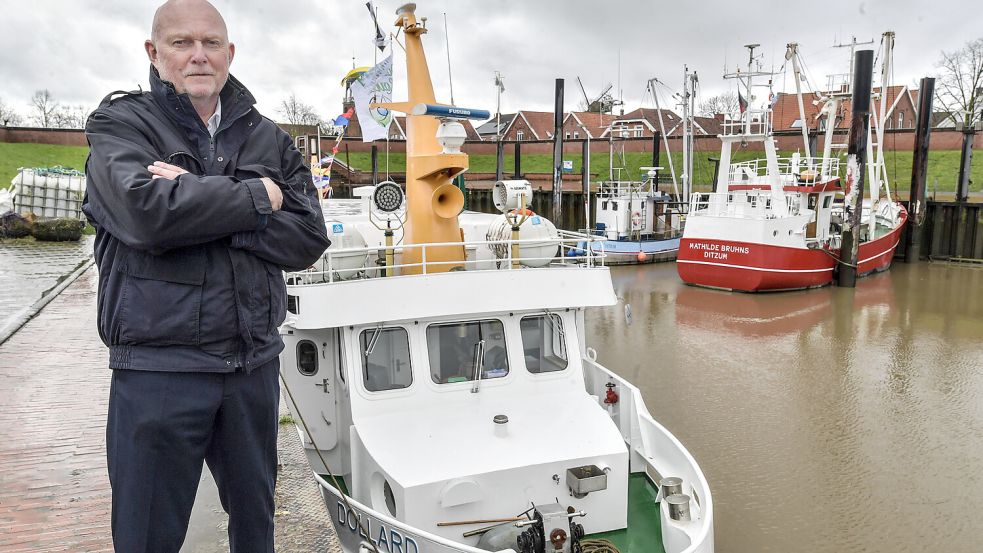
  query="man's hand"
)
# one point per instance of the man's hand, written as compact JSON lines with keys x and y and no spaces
{"x":161,"y":170}
{"x":273,"y":191}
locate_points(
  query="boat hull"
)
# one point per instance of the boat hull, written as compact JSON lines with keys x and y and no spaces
{"x":760,"y":267}
{"x":625,"y":252}
{"x":357,"y":526}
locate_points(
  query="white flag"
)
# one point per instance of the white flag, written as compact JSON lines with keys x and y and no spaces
{"x":374,"y":86}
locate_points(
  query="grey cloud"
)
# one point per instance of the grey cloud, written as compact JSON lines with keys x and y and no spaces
{"x":83,"y":49}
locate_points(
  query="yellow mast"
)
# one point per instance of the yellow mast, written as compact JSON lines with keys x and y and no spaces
{"x":432,"y":201}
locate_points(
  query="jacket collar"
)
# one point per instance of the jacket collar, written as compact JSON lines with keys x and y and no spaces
{"x":236,"y":101}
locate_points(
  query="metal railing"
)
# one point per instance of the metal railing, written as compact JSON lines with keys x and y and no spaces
{"x":569,"y":249}
{"x":797,"y":171}
{"x":752,"y":121}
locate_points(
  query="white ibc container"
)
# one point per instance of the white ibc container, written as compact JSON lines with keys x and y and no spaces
{"x":49,"y":194}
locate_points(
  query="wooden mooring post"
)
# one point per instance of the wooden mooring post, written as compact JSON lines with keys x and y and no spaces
{"x":558,"y":151}
{"x":919,"y":169}
{"x":856,"y":166}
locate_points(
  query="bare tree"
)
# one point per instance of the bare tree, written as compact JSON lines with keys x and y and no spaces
{"x":71,"y":117}
{"x":8,"y":115}
{"x":298,"y":113}
{"x":721,"y":103}
{"x":959,"y":88}
{"x":45,"y":107}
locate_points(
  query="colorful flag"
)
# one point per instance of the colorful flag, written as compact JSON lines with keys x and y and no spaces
{"x":375,"y":86}
{"x":741,"y":102}
{"x":345,"y":118}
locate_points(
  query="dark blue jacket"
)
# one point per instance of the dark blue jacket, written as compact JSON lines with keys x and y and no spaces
{"x":190,"y":269}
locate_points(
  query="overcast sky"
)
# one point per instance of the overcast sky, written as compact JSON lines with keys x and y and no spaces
{"x":82,"y":49}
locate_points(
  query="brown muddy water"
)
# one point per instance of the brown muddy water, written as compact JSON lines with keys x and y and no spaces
{"x":827,"y":420}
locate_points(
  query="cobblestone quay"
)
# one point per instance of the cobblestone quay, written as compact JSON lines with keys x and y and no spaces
{"x":54,"y":488}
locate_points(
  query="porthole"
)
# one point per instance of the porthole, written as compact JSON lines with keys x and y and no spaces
{"x":307,"y":358}
{"x":387,"y":491}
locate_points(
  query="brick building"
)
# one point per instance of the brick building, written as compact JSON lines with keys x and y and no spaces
{"x":901,"y":109}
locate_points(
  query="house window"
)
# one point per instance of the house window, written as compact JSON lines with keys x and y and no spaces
{"x":455,"y":347}
{"x":520,"y":135}
{"x":638,"y":131}
{"x":900,"y":119}
{"x":566,"y":136}
{"x":543,"y":343}
{"x":576,"y":135}
{"x":385,"y":359}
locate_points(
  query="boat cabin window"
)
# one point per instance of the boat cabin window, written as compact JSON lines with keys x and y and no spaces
{"x":461,"y":351}
{"x":826,"y":201}
{"x":543,"y":343}
{"x":385,"y":359}
{"x":614,"y":206}
{"x":813,"y":200}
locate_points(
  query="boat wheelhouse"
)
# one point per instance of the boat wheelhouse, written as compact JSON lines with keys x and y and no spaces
{"x":472,"y":395}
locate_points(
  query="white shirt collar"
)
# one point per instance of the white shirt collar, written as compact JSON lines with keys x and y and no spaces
{"x":216,"y":119}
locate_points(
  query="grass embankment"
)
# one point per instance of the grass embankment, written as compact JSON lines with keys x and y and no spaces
{"x":943,"y":166}
{"x":15,"y":156}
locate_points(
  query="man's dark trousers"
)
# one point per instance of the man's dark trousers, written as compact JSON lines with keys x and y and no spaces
{"x":162,"y":425}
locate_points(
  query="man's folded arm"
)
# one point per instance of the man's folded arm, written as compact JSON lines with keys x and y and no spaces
{"x":295,"y":236}
{"x":160,"y":214}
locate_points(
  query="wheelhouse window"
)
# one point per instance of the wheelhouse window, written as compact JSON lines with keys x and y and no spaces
{"x":385,"y":359}
{"x":464,"y":351}
{"x":543,"y":343}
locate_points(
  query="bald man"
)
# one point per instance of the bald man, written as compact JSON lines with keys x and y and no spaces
{"x":199,"y":204}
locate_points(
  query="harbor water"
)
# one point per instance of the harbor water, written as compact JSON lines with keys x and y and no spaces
{"x":29,"y":269}
{"x":826,"y":420}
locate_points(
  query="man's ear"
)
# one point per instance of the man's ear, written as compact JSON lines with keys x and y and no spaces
{"x":148,"y":45}
{"x":232,"y":52}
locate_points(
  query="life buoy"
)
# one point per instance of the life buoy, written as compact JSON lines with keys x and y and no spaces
{"x":636,"y":219}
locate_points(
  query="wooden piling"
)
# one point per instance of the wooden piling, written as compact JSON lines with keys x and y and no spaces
{"x":919,"y":169}
{"x":856,"y":166}
{"x":558,"y":150}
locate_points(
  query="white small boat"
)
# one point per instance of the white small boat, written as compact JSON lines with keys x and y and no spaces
{"x":444,"y":388}
{"x":635,"y":222}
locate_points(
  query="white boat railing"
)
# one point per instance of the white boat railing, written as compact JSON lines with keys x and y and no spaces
{"x":748,"y":204}
{"x":751,"y":122}
{"x":658,"y":453}
{"x":568,"y":249}
{"x":792,"y":169}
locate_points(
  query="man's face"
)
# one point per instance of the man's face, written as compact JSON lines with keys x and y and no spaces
{"x":191,"y":49}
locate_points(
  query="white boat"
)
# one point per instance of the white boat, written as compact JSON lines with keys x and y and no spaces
{"x":775,"y":223}
{"x":635,"y":222}
{"x":443,"y":386}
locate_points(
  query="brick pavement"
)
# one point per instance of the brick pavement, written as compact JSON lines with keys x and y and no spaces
{"x":54,"y":489}
{"x":54,"y":387}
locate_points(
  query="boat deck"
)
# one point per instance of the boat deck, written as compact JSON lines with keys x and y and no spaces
{"x":644,"y":531}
